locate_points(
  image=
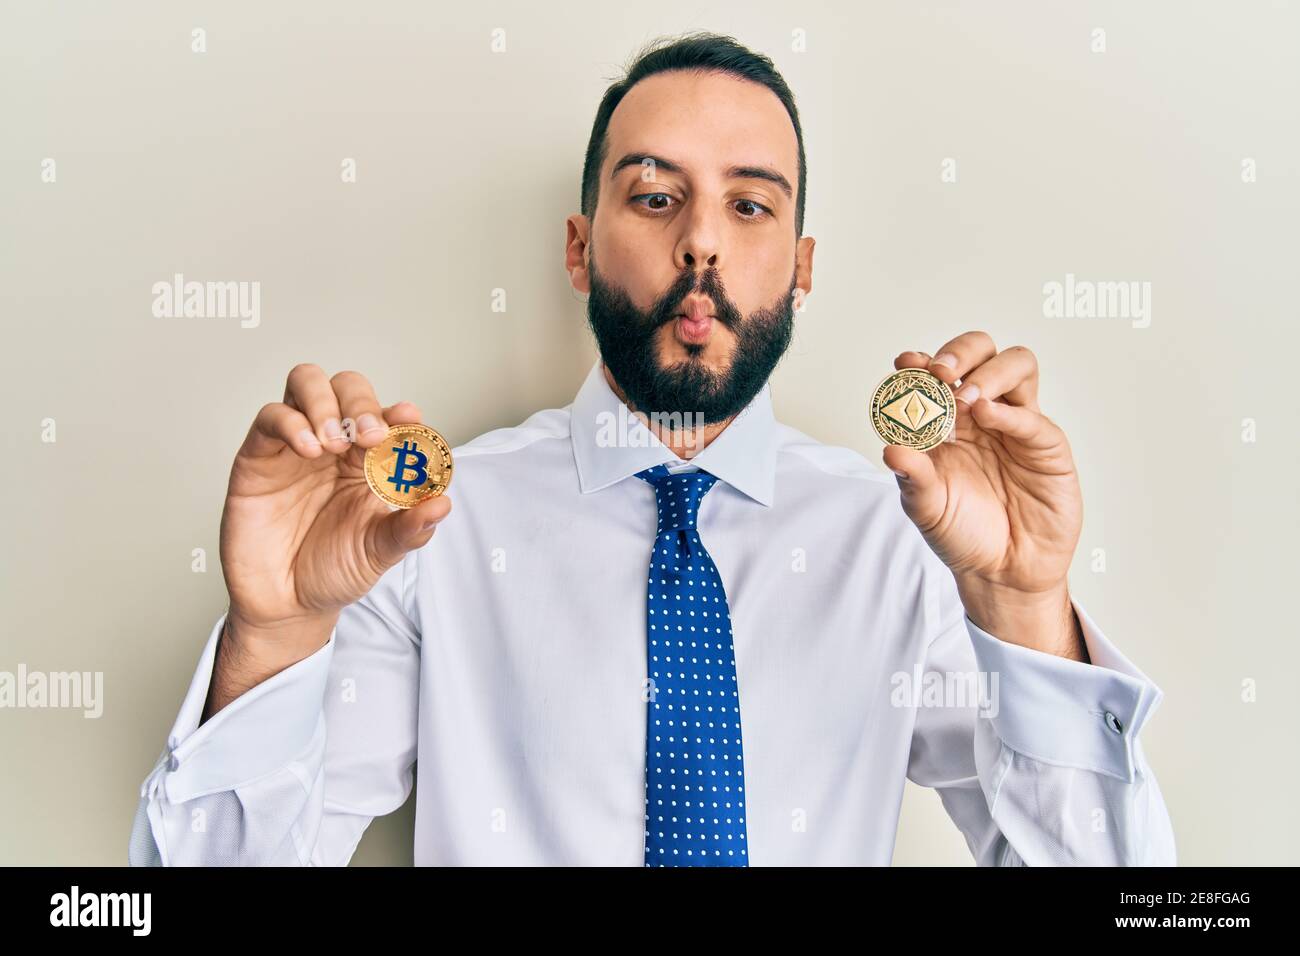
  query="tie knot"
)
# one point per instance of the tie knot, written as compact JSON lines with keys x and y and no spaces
{"x":679,"y":496}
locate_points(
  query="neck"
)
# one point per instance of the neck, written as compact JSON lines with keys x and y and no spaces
{"x":685,"y":443}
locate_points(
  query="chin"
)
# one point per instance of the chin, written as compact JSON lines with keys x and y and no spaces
{"x":673,"y":351}
{"x":690,"y":355}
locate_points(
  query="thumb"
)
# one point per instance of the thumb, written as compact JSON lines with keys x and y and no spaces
{"x":924,"y":495}
{"x":398,"y":532}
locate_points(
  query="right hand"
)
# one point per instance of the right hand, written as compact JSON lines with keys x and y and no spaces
{"x":302,"y":535}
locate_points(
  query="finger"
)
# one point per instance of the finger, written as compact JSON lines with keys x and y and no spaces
{"x":924,"y":495}
{"x":393,"y":535}
{"x":362,"y":416}
{"x":962,"y":354}
{"x":1011,"y":375}
{"x":309,"y":391}
{"x":1028,"y":426}
{"x":403,"y":413}
{"x":276,"y":426}
{"x":912,"y":360}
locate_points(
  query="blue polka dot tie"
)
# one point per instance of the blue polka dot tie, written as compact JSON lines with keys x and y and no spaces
{"x":695,"y":782}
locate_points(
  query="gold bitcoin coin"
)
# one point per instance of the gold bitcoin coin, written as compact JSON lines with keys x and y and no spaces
{"x":914,"y":408}
{"x":411,"y":464}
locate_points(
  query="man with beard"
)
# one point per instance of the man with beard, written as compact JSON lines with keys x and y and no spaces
{"x":632,"y":358}
{"x":722,"y":646}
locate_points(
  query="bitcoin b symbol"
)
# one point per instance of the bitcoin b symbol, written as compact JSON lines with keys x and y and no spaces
{"x":402,"y":466}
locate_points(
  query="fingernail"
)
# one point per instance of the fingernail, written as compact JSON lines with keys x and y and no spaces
{"x":969,"y":394}
{"x":308,"y":437}
{"x":368,"y":423}
{"x":429,"y":524}
{"x":945,"y":358}
{"x":333,"y":429}
{"x":900,"y":474}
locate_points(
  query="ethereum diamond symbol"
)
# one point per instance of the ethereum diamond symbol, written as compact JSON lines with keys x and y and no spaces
{"x":913,"y":410}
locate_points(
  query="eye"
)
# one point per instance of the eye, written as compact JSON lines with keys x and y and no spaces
{"x":757,"y":211}
{"x":764,"y":211}
{"x":654,"y":210}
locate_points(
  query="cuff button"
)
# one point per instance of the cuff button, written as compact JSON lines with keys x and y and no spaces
{"x":1113,"y":723}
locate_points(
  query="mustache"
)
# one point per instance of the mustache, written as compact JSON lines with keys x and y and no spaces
{"x":707,"y":283}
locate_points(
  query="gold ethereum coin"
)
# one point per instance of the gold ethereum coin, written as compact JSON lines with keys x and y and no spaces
{"x":411,"y":464}
{"x":914,"y":408}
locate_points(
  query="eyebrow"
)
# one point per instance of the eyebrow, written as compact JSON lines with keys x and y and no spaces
{"x":735,"y":172}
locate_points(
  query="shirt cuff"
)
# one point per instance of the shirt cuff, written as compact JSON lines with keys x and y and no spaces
{"x":1065,"y":712}
{"x":259,"y":732}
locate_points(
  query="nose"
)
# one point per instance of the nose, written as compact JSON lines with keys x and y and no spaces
{"x":691,"y":260}
{"x":699,"y":246}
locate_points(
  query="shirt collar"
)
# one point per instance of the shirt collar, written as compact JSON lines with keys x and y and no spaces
{"x":610,"y":443}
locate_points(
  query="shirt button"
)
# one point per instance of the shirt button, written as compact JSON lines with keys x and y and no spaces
{"x":1113,"y":723}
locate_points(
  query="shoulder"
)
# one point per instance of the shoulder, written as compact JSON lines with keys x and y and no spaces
{"x":847,"y":494}
{"x":537,"y":450}
{"x":537,"y":428}
{"x":834,"y":464}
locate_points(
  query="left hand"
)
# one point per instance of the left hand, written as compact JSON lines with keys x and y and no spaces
{"x":1000,"y":504}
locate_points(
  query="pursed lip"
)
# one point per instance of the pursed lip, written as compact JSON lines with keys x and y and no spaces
{"x":696,"y":308}
{"x":694,"y":327}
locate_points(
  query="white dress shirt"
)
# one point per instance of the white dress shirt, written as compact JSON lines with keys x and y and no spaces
{"x":508,"y":657}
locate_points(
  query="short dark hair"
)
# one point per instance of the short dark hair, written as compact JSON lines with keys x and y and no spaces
{"x":700,"y":53}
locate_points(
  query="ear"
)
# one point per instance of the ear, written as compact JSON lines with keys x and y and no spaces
{"x":577,"y":231}
{"x":803,"y":263}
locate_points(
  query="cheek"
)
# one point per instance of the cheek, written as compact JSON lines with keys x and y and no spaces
{"x":763,"y":275}
{"x":625,"y":261}
{"x":629,"y":237}
{"x":772,"y":258}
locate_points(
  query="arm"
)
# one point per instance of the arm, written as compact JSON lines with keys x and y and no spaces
{"x":1036,"y":773}
{"x":292,"y":771}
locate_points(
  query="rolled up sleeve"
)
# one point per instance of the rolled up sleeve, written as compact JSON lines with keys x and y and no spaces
{"x":1043,"y":765}
{"x":257,"y":733}
{"x":256,"y":758}
{"x":292,"y":771}
{"x":1065,"y":712}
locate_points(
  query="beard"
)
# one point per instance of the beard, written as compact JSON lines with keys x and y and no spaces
{"x":626,"y":338}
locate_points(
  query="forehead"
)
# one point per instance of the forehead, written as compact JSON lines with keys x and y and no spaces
{"x":705,"y":121}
